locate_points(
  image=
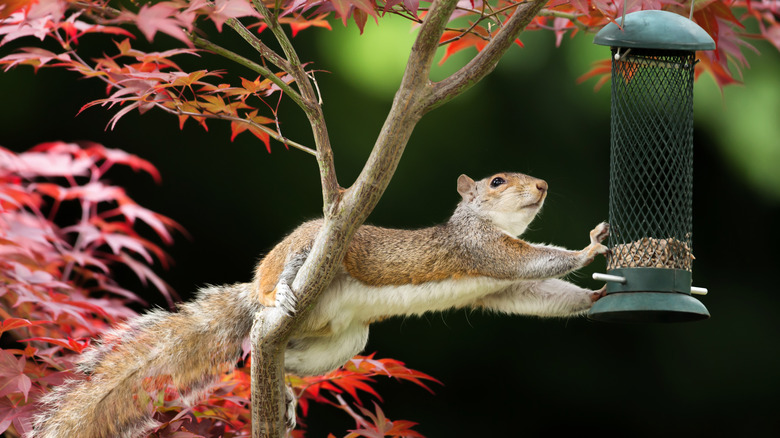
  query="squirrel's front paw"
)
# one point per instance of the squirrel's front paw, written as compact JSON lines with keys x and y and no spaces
{"x":598,"y":234}
{"x":285,"y":298}
{"x":595,"y":249}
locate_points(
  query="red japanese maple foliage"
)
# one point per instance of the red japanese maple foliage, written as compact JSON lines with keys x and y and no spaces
{"x":63,"y":230}
{"x":56,"y":270}
{"x":57,"y":292}
{"x":140,"y":80}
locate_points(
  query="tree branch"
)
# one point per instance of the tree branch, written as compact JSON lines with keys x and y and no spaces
{"x":486,"y":60}
{"x":342,"y":218}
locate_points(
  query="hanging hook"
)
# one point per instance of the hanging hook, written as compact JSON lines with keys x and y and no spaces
{"x":623,"y":19}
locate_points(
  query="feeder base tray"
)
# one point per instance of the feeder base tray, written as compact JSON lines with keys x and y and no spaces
{"x":644,"y":307}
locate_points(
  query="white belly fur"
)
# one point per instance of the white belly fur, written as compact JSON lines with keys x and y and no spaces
{"x":346,"y":300}
{"x":347,"y":306}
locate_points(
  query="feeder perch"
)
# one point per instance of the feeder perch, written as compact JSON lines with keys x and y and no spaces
{"x":651,"y":169}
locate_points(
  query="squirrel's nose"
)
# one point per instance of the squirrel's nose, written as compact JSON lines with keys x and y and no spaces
{"x":541,"y":185}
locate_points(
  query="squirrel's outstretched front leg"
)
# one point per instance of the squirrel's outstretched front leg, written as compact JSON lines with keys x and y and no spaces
{"x":536,"y":262}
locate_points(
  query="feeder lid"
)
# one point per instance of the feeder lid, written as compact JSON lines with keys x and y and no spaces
{"x":655,"y":30}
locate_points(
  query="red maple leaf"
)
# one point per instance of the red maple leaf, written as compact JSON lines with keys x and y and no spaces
{"x":70,"y":344}
{"x":15,"y":323}
{"x":225,"y":9}
{"x":252,"y":118}
{"x":299,"y":23}
{"x":163,"y":17}
{"x":12,"y":375}
{"x":344,"y":8}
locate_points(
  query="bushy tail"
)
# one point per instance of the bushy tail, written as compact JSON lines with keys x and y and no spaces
{"x":191,"y":347}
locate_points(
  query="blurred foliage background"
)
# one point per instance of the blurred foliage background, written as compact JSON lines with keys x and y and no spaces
{"x":502,"y":376}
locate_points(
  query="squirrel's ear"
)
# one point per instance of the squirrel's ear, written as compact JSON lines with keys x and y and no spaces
{"x":466,"y":187}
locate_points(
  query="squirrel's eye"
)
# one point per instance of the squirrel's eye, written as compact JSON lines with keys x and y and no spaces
{"x":497,"y":181}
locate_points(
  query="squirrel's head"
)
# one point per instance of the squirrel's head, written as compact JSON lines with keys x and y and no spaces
{"x":509,"y":200}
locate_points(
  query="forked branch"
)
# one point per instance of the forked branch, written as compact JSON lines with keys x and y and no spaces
{"x":416,"y":96}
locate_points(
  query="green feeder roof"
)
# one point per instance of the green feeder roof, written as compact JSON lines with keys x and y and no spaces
{"x":655,"y":30}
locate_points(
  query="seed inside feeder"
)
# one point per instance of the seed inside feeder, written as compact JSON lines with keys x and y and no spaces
{"x":649,"y":252}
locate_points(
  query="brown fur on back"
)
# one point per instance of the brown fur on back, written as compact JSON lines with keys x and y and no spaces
{"x":376,"y":257}
{"x":386,"y":257}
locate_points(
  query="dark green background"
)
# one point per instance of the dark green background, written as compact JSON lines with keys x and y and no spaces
{"x":503,"y":376}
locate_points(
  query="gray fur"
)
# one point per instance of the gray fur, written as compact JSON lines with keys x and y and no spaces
{"x":206,"y":333}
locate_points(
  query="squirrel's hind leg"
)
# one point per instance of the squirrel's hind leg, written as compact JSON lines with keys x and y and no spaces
{"x":551,"y":297}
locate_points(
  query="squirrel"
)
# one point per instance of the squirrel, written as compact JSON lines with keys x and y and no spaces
{"x":474,"y":260}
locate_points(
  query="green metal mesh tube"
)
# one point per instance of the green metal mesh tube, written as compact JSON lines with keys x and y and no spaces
{"x":651,"y":172}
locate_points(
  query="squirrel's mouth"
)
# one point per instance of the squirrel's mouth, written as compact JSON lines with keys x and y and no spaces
{"x":537,"y":204}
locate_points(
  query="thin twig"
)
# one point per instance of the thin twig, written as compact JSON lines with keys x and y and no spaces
{"x":494,"y":14}
{"x":316,"y":87}
{"x":281,"y":37}
{"x":90,"y":8}
{"x":264,"y":51}
{"x":403,"y":13}
{"x":571,"y":17}
{"x":331,"y":191}
{"x":446,"y":29}
{"x":469,"y":30}
{"x":273,"y":134}
{"x":496,"y":11}
{"x":263,"y":71}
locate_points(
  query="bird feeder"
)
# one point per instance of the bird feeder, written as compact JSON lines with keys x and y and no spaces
{"x":651,"y":169}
